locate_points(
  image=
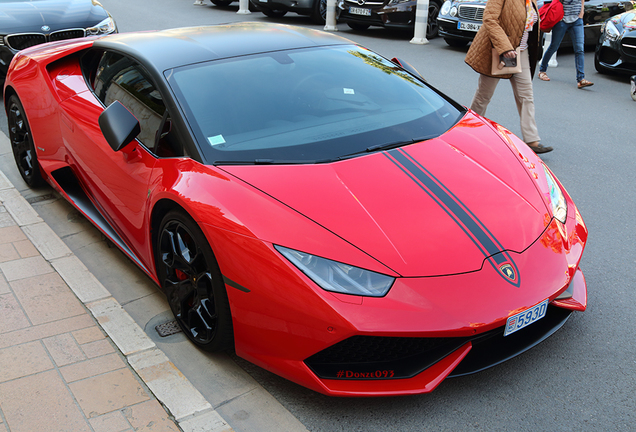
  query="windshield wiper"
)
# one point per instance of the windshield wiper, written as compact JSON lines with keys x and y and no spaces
{"x":380,"y":147}
{"x":268,"y":162}
{"x":390,"y":146}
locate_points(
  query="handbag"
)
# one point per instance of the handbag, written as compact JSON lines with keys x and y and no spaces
{"x":549,"y":15}
{"x":504,"y":66}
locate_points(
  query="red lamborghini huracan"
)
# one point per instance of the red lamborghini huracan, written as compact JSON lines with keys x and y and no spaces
{"x":325,"y":211}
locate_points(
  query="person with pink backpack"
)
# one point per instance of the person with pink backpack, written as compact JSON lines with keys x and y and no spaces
{"x":572,"y":22}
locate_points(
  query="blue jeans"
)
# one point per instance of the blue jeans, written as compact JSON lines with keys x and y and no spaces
{"x":576,"y":34}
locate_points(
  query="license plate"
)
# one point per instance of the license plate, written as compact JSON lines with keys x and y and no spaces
{"x":525,"y":318}
{"x":359,"y":11}
{"x":468,"y":26}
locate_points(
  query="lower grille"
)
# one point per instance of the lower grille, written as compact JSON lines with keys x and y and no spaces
{"x":376,"y":357}
{"x":608,"y":56}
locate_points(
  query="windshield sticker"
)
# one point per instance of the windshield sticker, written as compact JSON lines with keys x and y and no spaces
{"x":348,"y":91}
{"x":216,"y":140}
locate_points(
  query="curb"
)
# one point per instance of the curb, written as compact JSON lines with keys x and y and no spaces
{"x":180,"y":398}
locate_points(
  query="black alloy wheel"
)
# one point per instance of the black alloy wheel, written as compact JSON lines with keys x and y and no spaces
{"x":22,"y":143}
{"x":319,"y":12}
{"x":192,"y":281}
{"x":431,"y":25}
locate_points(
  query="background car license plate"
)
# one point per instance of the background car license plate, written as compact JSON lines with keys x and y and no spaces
{"x":359,"y":11}
{"x":468,"y":26}
{"x":525,"y":318}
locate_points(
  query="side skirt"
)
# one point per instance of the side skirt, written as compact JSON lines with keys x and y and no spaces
{"x":68,"y":184}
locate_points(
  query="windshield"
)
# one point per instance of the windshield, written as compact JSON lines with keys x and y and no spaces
{"x":307,"y":105}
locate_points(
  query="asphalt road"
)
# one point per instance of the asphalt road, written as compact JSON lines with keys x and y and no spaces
{"x":581,"y":379}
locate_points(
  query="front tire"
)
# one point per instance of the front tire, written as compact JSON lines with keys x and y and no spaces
{"x":22,"y":145}
{"x":431,"y":26}
{"x":319,"y":11}
{"x":191,"y":278}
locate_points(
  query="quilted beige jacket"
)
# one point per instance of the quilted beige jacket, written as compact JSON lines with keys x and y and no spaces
{"x":504,"y":21}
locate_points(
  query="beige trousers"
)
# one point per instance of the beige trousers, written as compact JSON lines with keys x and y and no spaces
{"x":522,"y":89}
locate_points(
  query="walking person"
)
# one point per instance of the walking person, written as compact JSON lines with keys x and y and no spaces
{"x":508,"y":24}
{"x":572,"y":22}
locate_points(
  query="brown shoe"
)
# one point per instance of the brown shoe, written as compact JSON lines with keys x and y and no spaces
{"x":538,"y":148}
{"x":584,"y":83}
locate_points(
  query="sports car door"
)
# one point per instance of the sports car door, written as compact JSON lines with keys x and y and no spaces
{"x":117,"y":181}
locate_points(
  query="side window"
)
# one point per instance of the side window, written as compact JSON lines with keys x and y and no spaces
{"x":120,"y":78}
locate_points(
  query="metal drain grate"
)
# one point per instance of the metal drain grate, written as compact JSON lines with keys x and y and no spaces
{"x":40,"y":198}
{"x":167,"y":329}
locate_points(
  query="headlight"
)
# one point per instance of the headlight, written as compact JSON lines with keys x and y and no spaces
{"x":445,"y":8}
{"x":105,"y":27}
{"x":453,"y":11}
{"x":338,"y":277}
{"x":611,"y":32}
{"x":557,"y":199}
{"x":392,"y":2}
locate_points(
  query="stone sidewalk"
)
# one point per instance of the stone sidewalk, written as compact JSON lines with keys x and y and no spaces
{"x":71,"y":359}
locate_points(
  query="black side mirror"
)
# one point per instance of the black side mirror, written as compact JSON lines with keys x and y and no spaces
{"x":407,"y":66}
{"x":119,"y":126}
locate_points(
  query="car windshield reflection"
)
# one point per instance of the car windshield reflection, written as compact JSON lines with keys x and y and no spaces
{"x":307,"y":105}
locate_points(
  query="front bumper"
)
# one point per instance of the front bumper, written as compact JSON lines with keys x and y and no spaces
{"x":422,"y":331}
{"x":399,"y":16}
{"x":448,"y":29}
{"x":6,"y":55}
{"x":617,"y":55}
{"x":302,"y":7}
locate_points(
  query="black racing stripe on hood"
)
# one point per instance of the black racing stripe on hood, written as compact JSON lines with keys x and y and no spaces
{"x":485,"y":241}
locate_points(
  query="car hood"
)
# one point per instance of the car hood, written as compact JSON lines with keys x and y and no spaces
{"x":438,"y":207}
{"x":30,"y":16}
{"x":625,"y":21}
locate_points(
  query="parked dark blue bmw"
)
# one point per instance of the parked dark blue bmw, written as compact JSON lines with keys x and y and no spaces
{"x":25,"y":23}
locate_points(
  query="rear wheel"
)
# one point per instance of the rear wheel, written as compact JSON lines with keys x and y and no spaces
{"x":273,"y":13}
{"x":192,"y":281}
{"x":357,"y":26}
{"x":22,"y":143}
{"x":456,"y":43}
{"x":222,"y":3}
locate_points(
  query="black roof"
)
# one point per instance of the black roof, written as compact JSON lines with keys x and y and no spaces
{"x":166,"y":49}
